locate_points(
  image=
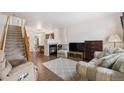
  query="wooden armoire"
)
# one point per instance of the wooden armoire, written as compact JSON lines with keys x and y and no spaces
{"x":91,"y":47}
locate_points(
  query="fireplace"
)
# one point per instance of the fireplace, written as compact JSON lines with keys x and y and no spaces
{"x":50,"y":47}
{"x":53,"y":49}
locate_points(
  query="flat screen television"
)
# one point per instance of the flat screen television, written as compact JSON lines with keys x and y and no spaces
{"x":76,"y":47}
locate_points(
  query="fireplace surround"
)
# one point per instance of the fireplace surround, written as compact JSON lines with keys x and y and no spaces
{"x":50,"y":47}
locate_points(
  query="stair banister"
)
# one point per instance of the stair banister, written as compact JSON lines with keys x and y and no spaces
{"x":5,"y":33}
{"x":26,"y":43}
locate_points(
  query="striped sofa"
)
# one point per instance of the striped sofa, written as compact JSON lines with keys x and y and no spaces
{"x":103,"y":67}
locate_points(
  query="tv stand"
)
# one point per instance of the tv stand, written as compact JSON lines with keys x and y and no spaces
{"x":78,"y":56}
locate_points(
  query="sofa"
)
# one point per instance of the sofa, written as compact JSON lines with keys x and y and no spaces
{"x":24,"y":72}
{"x":107,"y":65}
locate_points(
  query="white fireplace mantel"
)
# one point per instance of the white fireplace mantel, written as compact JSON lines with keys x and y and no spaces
{"x":47,"y":43}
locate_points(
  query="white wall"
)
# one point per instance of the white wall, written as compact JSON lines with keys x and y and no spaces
{"x":92,"y":26}
{"x":32,"y":33}
{"x":95,"y":28}
{"x":63,"y":35}
{"x":15,"y":21}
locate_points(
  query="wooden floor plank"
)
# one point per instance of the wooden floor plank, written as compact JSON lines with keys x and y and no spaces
{"x":43,"y":73}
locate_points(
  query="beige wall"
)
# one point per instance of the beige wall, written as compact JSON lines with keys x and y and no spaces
{"x":93,"y":26}
{"x":32,"y":33}
{"x":96,"y":28}
{"x":15,"y":21}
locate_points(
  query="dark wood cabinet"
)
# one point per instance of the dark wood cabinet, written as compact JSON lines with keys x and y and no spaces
{"x":91,"y":47}
{"x":78,"y":56}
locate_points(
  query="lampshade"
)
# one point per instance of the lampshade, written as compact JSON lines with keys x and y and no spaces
{"x":114,"y":38}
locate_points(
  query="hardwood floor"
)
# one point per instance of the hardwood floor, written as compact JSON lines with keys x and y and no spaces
{"x":43,"y":73}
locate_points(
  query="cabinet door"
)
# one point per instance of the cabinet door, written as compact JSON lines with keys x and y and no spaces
{"x":91,"y":47}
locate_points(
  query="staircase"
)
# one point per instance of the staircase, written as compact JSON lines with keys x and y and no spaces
{"x":14,"y":47}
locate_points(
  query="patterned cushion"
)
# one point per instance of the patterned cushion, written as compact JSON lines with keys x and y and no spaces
{"x":100,"y":61}
{"x":98,"y":54}
{"x":93,"y":61}
{"x":121,"y":69}
{"x":119,"y":50}
{"x":107,"y":61}
{"x":65,"y":46}
{"x":108,"y":50}
{"x":118,"y":63}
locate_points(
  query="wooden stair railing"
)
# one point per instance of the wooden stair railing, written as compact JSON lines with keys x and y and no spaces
{"x":2,"y":47}
{"x":26,"y":44}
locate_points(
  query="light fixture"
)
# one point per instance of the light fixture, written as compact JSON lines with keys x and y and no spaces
{"x":114,"y":38}
{"x":39,"y":26}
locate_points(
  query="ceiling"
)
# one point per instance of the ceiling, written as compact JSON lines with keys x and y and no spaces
{"x":57,"y":19}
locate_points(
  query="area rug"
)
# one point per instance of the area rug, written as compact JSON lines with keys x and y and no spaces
{"x":64,"y":68}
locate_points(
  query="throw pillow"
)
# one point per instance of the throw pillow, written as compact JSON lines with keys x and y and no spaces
{"x":119,"y":50}
{"x":121,"y":69}
{"x":107,"y":61}
{"x":110,"y":61}
{"x":65,"y":46}
{"x":98,"y":54}
{"x":118,"y":63}
{"x":59,"y":46}
{"x":108,"y":50}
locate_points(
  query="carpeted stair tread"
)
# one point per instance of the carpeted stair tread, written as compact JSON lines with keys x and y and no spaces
{"x":14,"y":54}
{"x":14,"y":50}
{"x":14,"y":47}
{"x":14,"y":32}
{"x":14,"y":27}
{"x":14,"y":40}
{"x":15,"y":58}
{"x":14,"y":36}
{"x":14,"y":43}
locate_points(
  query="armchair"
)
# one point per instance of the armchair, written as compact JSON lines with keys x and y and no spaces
{"x":62,"y":51}
{"x":24,"y":72}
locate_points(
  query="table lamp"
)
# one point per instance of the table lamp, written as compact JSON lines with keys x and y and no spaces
{"x":114,"y":38}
